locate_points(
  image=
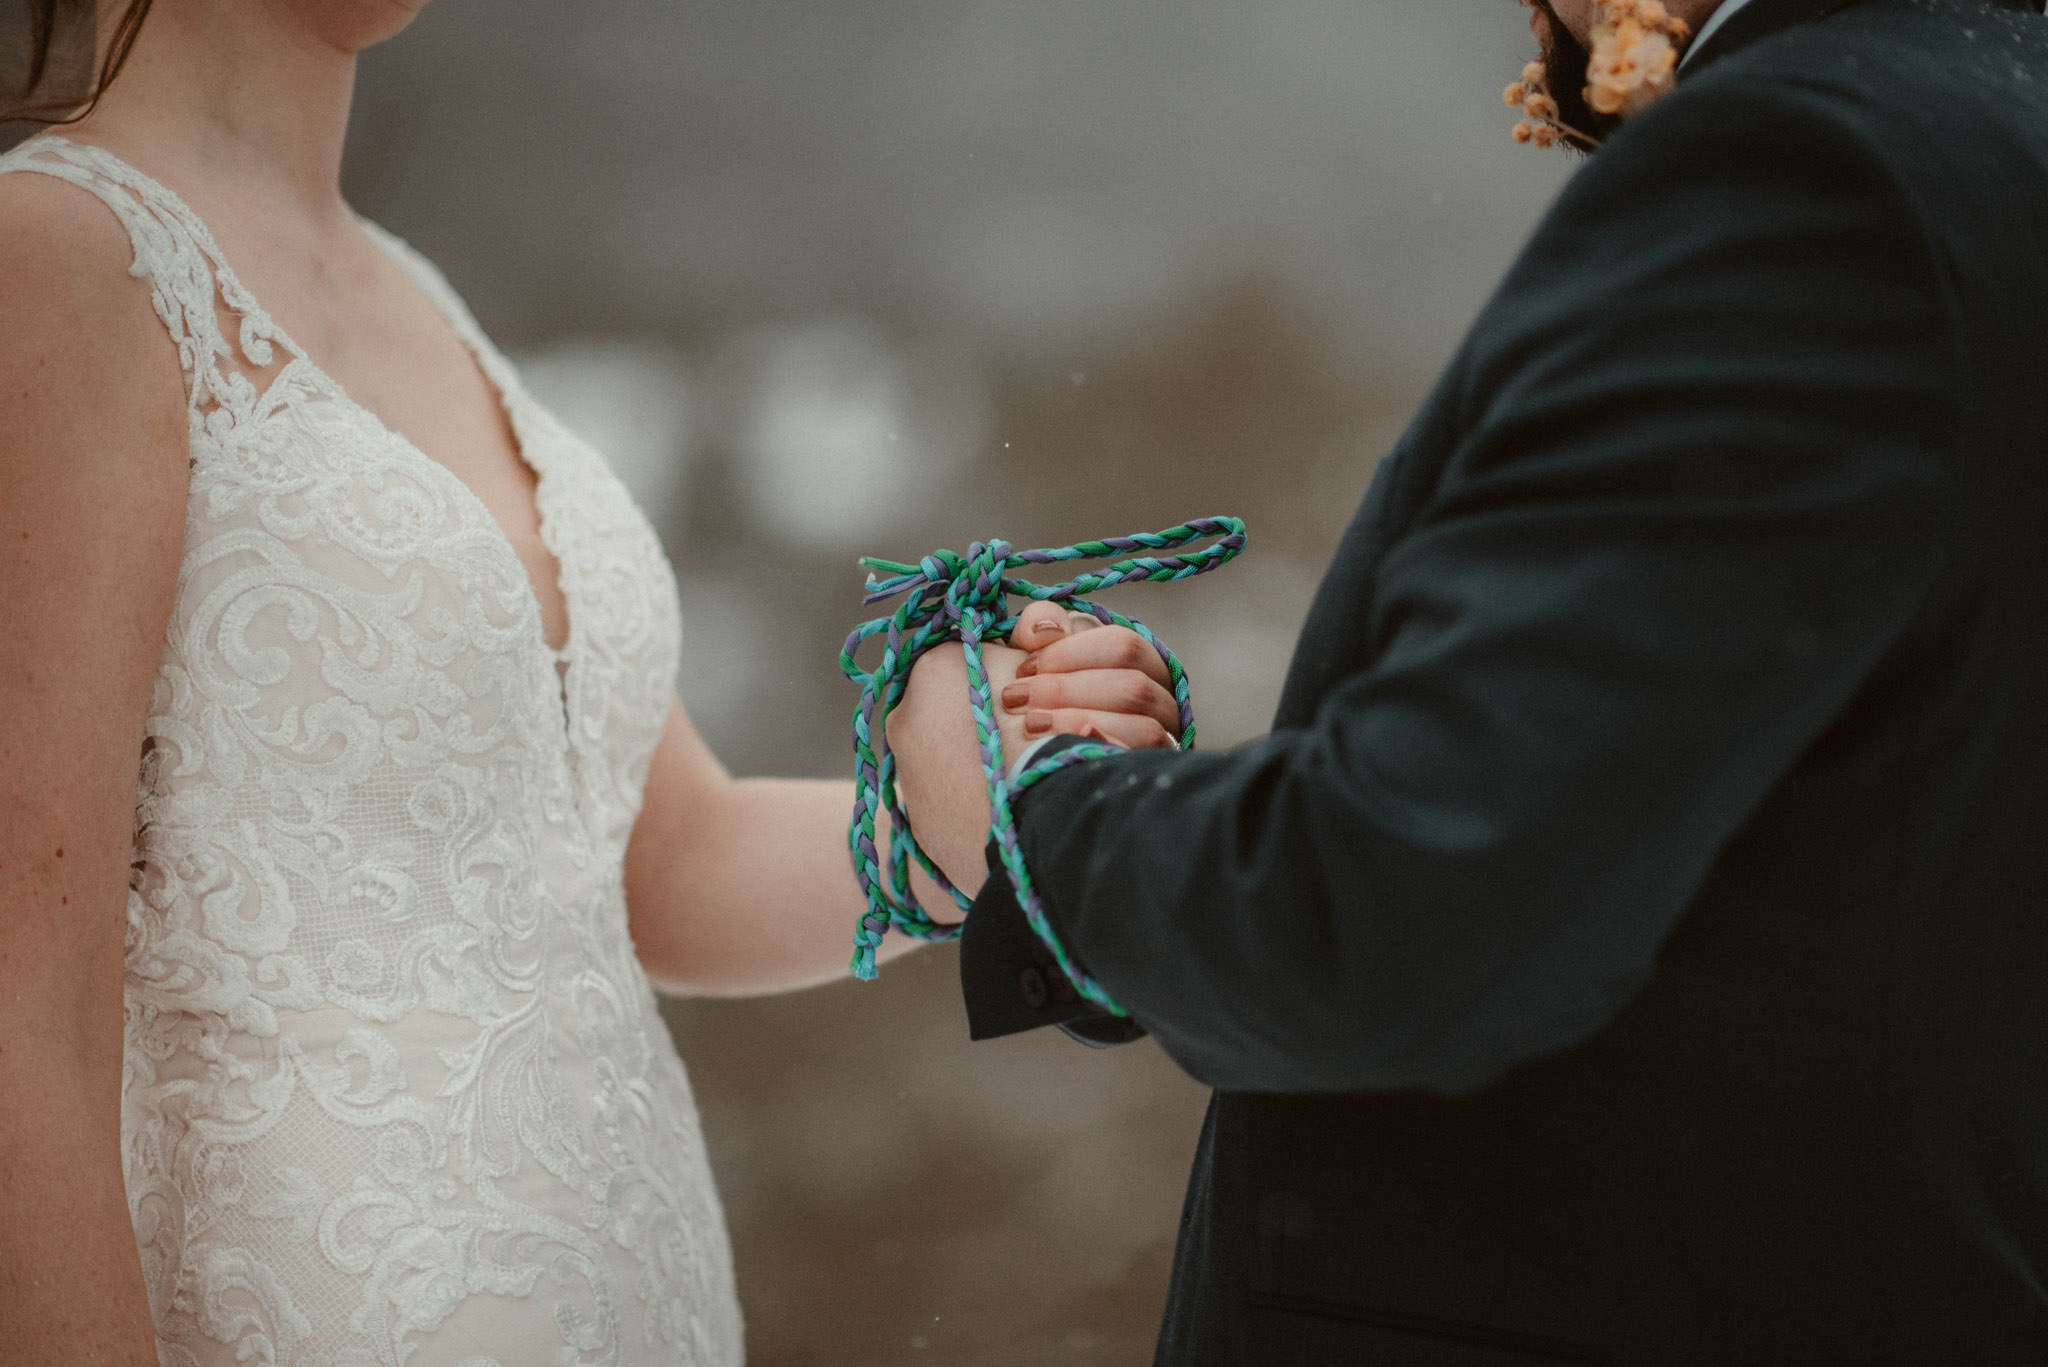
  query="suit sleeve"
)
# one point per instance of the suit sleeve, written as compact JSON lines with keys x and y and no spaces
{"x":1711,"y":425}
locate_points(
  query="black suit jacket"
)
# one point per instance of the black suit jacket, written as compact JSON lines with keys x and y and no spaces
{"x":1631,"y":944}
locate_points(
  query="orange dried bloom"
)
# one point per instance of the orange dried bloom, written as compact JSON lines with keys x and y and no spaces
{"x":1634,"y":63}
{"x":1635,"y":56}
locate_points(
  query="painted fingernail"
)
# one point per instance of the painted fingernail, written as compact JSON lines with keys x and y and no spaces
{"x":1037,"y":723}
{"x":1028,"y":668}
{"x":1016,"y":697}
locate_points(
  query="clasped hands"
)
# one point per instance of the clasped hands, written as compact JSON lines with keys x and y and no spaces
{"x":1063,"y":673}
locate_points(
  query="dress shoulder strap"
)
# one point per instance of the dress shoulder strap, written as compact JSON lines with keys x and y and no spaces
{"x":194,"y":293}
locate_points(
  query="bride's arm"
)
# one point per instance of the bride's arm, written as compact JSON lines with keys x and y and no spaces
{"x":744,"y":886}
{"x":92,"y":495}
{"x":739,"y":887}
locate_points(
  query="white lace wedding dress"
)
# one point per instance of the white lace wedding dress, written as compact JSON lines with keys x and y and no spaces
{"x":396,"y":1091}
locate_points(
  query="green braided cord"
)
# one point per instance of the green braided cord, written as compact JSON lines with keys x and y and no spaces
{"x":950,"y":597}
{"x":1011,"y":851}
{"x":1041,"y":769}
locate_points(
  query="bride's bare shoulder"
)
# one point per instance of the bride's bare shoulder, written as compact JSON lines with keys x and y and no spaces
{"x":93,"y":427}
{"x":77,"y":326}
{"x":64,"y":265}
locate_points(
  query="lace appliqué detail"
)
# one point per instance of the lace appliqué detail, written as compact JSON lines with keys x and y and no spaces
{"x":396,"y":1090}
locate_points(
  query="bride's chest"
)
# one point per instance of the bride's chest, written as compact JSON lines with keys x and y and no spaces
{"x":348,"y":605}
{"x":383,"y":343}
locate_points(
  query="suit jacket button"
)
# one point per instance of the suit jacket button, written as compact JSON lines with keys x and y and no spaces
{"x":1032,"y":986}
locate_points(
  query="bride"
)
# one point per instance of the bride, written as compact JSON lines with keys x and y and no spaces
{"x":347,"y":813}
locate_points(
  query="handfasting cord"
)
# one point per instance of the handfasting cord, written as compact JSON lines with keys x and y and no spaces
{"x":966,"y":598}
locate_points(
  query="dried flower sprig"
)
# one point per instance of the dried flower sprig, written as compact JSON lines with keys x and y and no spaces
{"x":1541,"y":122}
{"x":1634,"y":63}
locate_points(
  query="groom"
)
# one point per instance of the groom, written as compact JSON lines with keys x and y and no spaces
{"x":1631,"y":944}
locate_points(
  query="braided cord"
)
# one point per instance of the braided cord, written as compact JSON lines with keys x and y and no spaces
{"x":966,"y":598}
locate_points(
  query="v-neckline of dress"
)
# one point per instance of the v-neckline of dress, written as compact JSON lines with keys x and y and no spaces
{"x":258,"y":322}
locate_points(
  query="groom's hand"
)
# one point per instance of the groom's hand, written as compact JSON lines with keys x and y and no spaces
{"x":1078,"y":677}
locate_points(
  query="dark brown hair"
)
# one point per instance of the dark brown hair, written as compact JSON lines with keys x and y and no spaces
{"x":61,"y":51}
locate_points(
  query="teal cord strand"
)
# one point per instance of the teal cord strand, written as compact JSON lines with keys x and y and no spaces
{"x":966,"y":598}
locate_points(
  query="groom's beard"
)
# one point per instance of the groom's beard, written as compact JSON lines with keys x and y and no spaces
{"x":1565,"y":61}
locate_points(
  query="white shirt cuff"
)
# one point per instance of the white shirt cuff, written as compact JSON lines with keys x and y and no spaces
{"x":1023,"y":761}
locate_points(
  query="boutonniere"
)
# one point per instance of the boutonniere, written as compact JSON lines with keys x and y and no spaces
{"x":1632,"y":65}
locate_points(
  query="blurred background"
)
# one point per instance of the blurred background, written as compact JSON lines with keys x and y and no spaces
{"x":826,"y":277}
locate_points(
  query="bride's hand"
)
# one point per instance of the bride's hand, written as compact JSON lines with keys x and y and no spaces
{"x":938,"y":757}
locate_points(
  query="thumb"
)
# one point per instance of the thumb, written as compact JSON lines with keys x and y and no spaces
{"x":1038,"y":626}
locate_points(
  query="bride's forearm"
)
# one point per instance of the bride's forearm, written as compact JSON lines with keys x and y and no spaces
{"x":768,"y":901}
{"x":740,"y":887}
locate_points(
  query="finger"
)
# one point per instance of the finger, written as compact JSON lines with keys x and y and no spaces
{"x":1132,"y":733}
{"x":1131,"y":692}
{"x":1040,"y":624}
{"x":1109,"y":648}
